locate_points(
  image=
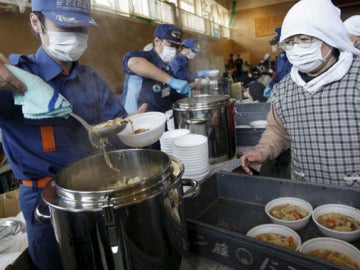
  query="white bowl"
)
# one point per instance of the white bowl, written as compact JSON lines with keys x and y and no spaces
{"x":338,"y":208}
{"x":154,"y":121}
{"x":189,"y":141}
{"x":333,"y":244}
{"x":294,"y":224}
{"x":258,"y":124}
{"x":171,"y":134}
{"x":275,"y":228}
{"x":213,"y":73}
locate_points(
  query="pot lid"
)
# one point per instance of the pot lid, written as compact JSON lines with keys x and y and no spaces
{"x":202,"y":102}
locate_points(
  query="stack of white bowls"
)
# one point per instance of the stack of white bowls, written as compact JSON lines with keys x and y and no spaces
{"x":192,"y":150}
{"x":167,"y":138}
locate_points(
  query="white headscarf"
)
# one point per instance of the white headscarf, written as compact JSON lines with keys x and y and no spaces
{"x":320,"y":19}
{"x":352,"y":25}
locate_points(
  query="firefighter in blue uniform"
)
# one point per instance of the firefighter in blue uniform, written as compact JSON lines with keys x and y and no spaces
{"x":38,"y":149}
{"x":148,"y":76}
{"x":282,"y":64}
{"x":180,"y":65}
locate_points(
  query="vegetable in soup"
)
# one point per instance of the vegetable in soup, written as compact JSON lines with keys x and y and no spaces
{"x":335,"y":257}
{"x":339,"y":222}
{"x":278,"y":239}
{"x":288,"y":212}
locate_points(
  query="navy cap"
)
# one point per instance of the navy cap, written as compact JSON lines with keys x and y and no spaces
{"x":169,"y":32}
{"x":65,"y":13}
{"x":277,"y":33}
{"x":192,"y":44}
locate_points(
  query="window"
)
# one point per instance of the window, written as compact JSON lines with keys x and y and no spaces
{"x":202,"y":16}
{"x":166,"y":12}
{"x":112,"y":5}
{"x":192,"y":22}
{"x":187,"y":5}
{"x":140,"y":7}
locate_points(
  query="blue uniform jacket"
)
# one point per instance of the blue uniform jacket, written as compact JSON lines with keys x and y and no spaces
{"x":283,"y":67}
{"x":90,"y":98}
{"x":180,"y":67}
{"x":138,"y":90}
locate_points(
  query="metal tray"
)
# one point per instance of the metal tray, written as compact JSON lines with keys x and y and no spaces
{"x":230,"y":204}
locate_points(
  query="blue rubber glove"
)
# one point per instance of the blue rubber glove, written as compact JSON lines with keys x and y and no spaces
{"x":181,"y":86}
{"x":267,"y":92}
{"x":203,"y":73}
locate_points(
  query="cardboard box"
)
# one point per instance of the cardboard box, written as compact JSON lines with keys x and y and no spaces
{"x":9,"y":204}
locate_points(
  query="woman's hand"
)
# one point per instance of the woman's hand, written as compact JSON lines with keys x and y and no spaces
{"x":252,"y":157}
{"x":7,"y":80}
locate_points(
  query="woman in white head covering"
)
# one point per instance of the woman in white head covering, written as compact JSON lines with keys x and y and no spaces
{"x":352,"y":26}
{"x":315,"y":109}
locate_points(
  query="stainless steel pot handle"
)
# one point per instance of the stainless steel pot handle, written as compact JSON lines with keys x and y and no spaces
{"x":196,"y":121}
{"x":193,"y":191}
{"x":40,"y":216}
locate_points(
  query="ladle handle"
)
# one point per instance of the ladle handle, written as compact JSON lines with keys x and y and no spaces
{"x":81,"y":120}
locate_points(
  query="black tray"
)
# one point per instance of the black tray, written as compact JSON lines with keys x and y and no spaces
{"x":230,"y":204}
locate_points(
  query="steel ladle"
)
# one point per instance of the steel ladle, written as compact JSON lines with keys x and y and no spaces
{"x":100,"y":132}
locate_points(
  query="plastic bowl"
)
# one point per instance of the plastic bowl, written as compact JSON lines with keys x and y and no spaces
{"x":275,"y":228}
{"x":154,"y":121}
{"x":332,"y":244}
{"x":337,"y":208}
{"x":294,"y":224}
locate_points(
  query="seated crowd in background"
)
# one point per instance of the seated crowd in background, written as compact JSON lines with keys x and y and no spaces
{"x":253,"y":78}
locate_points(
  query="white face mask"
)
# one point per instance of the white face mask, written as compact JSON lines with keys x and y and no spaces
{"x":67,"y":46}
{"x":168,"y":54}
{"x":191,"y":55}
{"x":306,"y":59}
{"x":273,"y":48}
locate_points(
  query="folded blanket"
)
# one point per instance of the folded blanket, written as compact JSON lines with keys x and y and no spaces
{"x":40,"y":100}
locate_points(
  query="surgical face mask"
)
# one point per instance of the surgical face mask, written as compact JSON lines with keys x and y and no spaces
{"x":168,"y":54}
{"x":306,"y":59}
{"x":273,"y":48}
{"x":191,"y":55}
{"x":67,"y":46}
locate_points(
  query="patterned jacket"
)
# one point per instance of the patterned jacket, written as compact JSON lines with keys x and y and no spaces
{"x":322,"y":129}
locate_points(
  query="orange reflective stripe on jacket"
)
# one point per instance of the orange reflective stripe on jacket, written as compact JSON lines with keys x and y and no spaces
{"x":48,"y":138}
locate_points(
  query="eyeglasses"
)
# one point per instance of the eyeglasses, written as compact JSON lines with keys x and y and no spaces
{"x":302,"y":41}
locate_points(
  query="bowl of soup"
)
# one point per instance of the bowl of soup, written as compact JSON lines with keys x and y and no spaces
{"x":143,"y":129}
{"x":292,"y":212}
{"x":338,"y":221}
{"x":332,"y":250}
{"x":277,"y":235}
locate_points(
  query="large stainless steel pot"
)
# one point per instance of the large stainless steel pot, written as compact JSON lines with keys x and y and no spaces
{"x":136,"y":226}
{"x":212,"y":117}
